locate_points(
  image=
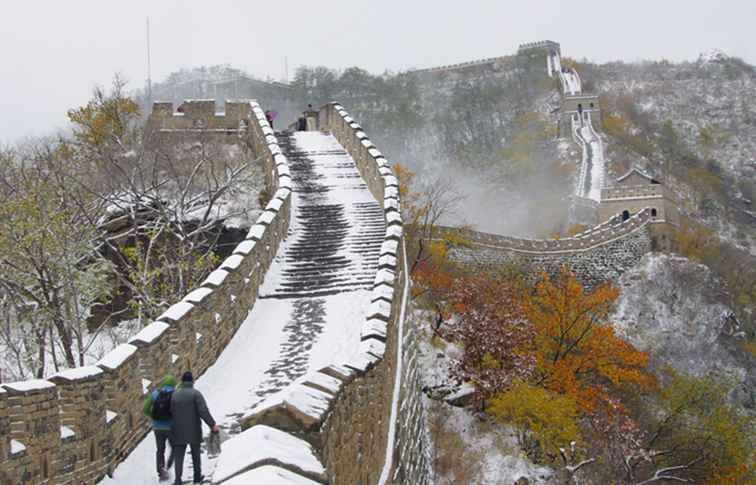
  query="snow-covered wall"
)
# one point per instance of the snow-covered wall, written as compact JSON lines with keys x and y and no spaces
{"x":344,"y":412}
{"x":597,"y":255}
{"x":76,"y":426}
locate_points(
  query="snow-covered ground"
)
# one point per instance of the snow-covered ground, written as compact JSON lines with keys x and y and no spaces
{"x":490,"y":450}
{"x":596,"y":163}
{"x":298,"y":324}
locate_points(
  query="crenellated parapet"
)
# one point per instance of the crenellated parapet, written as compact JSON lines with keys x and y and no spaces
{"x":77,"y":425}
{"x":360,"y":421}
{"x":596,"y":255}
{"x":200,"y":115}
{"x":547,"y":45}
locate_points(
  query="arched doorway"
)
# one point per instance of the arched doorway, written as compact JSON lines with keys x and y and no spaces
{"x":625,"y":215}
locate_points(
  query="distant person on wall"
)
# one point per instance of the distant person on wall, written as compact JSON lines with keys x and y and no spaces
{"x":312,"y":118}
{"x":270,"y":116}
{"x":189,"y":409}
{"x":158,"y":407}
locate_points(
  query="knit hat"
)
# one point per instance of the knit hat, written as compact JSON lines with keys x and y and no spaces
{"x":187,"y":377}
{"x":169,"y":380}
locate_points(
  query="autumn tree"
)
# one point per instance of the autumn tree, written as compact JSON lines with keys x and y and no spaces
{"x":491,"y":328}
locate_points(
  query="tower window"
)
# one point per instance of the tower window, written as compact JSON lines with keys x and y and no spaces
{"x":625,"y":215}
{"x":653,"y":213}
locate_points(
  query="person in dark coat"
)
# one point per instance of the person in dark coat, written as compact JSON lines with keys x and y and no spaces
{"x":162,"y":425}
{"x":189,"y":409}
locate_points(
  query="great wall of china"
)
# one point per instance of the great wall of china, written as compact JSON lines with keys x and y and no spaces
{"x":356,"y":420}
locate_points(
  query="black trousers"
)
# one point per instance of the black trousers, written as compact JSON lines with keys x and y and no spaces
{"x":179,"y":451}
{"x":161,"y":437}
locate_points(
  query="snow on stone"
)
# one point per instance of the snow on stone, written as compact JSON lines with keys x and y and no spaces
{"x":266,"y":218}
{"x":261,"y":444}
{"x":216,"y":278}
{"x":245,"y":247}
{"x":374,"y":328}
{"x":29,"y":385}
{"x":322,"y":381}
{"x":256,"y":232}
{"x":146,"y":383}
{"x":176,"y":312}
{"x":66,"y":432}
{"x":232,"y":262}
{"x":150,"y":333}
{"x":198,"y":295}
{"x":374,"y":347}
{"x":79,"y":373}
{"x":16,"y":447}
{"x":270,"y":475}
{"x":110,"y":415}
{"x":117,"y":356}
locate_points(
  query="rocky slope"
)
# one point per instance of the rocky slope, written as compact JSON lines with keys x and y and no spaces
{"x":676,"y":310}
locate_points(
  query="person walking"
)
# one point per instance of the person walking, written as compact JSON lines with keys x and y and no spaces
{"x":189,"y":409}
{"x":157,"y":406}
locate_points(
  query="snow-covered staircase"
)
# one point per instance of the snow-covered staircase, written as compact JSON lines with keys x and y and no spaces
{"x":312,"y":304}
{"x":339,"y":226}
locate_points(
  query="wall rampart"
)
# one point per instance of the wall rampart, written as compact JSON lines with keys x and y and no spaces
{"x":196,"y":116}
{"x":599,"y":254}
{"x":76,"y":426}
{"x":343,"y":414}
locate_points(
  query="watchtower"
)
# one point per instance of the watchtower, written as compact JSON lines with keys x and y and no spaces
{"x":582,"y":108}
{"x":635,"y":191}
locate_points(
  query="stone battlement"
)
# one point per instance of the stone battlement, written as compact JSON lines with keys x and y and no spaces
{"x":77,"y":425}
{"x":199,"y":114}
{"x":549,"y":45}
{"x":599,"y":254}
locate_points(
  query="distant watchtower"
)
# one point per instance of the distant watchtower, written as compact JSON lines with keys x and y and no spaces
{"x":537,"y":48}
{"x":635,"y":191}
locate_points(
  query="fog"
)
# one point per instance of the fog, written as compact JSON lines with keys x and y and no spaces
{"x":54,"y":52}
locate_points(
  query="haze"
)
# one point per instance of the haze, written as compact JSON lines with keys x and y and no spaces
{"x":54,"y":52}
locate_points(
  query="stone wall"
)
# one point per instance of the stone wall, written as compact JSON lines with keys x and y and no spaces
{"x":350,"y":417}
{"x":198,"y":118}
{"x":602,"y":253}
{"x":76,"y":426}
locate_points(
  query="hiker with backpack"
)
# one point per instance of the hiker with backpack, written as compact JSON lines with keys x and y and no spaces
{"x":157,"y":406}
{"x":189,"y":409}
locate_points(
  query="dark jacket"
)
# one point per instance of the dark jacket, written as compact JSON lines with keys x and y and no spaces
{"x":188,"y":407}
{"x":168,"y":384}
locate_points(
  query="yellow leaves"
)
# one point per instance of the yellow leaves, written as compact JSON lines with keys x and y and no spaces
{"x":104,"y":119}
{"x":697,"y":242}
{"x":545,"y":417}
{"x":576,"y":351}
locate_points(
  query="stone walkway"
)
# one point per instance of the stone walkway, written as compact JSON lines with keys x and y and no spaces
{"x":313,"y":302}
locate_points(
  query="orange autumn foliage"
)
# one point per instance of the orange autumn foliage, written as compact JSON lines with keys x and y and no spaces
{"x":576,"y":351}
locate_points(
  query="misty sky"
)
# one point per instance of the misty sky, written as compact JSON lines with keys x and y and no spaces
{"x":52,"y":52}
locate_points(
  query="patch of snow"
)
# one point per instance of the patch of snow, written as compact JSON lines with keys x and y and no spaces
{"x":150,"y":333}
{"x":270,"y":475}
{"x":116,"y":357}
{"x":66,"y":432}
{"x":260,"y":444}
{"x":16,"y":447}
{"x":177,"y":311}
{"x":110,"y":416}
{"x":146,"y":383}
{"x":79,"y":373}
{"x":29,"y":385}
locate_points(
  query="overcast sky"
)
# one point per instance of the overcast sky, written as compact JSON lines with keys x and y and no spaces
{"x":53,"y":52}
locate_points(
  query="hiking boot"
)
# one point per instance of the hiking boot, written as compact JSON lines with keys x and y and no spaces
{"x":163,"y":475}
{"x":199,"y":479}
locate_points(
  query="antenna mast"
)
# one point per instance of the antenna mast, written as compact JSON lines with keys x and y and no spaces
{"x":286,"y":69}
{"x":149,"y":67}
